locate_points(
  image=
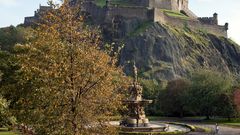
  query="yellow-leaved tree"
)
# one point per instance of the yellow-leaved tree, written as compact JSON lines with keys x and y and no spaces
{"x":71,"y":85}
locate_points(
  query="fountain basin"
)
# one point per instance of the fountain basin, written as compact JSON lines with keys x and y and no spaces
{"x":149,"y":128}
{"x":141,"y":102}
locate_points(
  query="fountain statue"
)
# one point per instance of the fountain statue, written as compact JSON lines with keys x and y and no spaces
{"x":136,"y":119}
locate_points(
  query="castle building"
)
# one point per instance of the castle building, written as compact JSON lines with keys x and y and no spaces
{"x":32,"y":20}
{"x":170,"y":12}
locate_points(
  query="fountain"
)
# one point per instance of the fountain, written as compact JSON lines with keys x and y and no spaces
{"x":136,"y":120}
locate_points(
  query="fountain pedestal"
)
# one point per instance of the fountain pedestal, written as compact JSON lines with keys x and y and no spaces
{"x":136,"y":119}
{"x":135,"y":104}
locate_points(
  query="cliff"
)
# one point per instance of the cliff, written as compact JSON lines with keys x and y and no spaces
{"x":165,"y":52}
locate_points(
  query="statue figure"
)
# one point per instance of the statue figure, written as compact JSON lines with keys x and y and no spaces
{"x":136,"y":115}
{"x":135,"y":72}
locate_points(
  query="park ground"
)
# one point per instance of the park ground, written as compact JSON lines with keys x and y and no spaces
{"x":226,"y":127}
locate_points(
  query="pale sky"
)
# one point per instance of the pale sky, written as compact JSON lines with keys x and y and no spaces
{"x":12,"y":12}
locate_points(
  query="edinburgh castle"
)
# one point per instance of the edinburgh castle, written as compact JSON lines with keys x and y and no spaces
{"x":169,"y":12}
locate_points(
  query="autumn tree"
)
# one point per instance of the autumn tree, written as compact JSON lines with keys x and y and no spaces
{"x":71,"y":85}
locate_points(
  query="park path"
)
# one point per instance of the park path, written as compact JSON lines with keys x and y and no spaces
{"x":172,"y":127}
{"x":223,"y":130}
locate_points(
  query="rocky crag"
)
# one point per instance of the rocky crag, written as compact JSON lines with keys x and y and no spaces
{"x":164,"y":38}
{"x":164,"y":52}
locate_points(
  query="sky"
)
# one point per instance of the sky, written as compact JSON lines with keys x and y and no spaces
{"x":12,"y":12}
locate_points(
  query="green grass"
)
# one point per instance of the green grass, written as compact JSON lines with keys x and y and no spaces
{"x":140,"y":29}
{"x":100,"y":3}
{"x":7,"y":133}
{"x":175,"y":14}
{"x":121,"y":2}
{"x":225,"y":121}
{"x":232,"y":124}
{"x":3,"y":129}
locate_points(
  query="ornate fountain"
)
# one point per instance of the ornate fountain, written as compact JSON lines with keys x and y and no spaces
{"x":136,"y":119}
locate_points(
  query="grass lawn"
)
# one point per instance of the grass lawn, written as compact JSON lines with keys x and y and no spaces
{"x":233,"y":124}
{"x":4,"y":131}
{"x":7,"y":133}
{"x":224,"y":121}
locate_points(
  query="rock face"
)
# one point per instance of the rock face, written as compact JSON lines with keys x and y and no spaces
{"x":163,"y":52}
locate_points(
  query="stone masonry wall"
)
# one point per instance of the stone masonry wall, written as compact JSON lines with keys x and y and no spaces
{"x":129,"y":12}
{"x":97,"y":13}
{"x":164,"y":4}
{"x":161,"y":17}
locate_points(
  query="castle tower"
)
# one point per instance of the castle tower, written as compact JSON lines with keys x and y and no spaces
{"x":179,"y":5}
{"x":215,"y":18}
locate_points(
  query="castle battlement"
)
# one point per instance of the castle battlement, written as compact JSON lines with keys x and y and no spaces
{"x":173,"y":12}
{"x":209,"y":20}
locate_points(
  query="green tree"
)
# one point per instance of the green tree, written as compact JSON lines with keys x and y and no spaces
{"x":11,"y":35}
{"x":206,"y":89}
{"x":69,"y":85}
{"x":174,"y":99}
{"x":151,"y":90}
{"x":225,"y":106}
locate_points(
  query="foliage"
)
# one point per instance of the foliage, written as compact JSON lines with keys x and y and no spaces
{"x":237,"y":99}
{"x":100,"y":3}
{"x":207,"y":90}
{"x":67,"y":84}
{"x":9,"y":74}
{"x":9,"y":36}
{"x":208,"y":93}
{"x":225,"y":106}
{"x":173,"y":99}
{"x":140,"y":29}
{"x":5,"y":116}
{"x":151,"y":90}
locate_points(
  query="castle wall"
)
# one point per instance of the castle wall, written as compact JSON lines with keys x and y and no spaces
{"x":163,"y":4}
{"x":129,"y":12}
{"x":208,"y":20}
{"x":28,"y":21}
{"x":184,"y":5}
{"x":161,"y":17}
{"x":97,"y":13}
{"x":139,"y":3}
{"x":176,"y":5}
